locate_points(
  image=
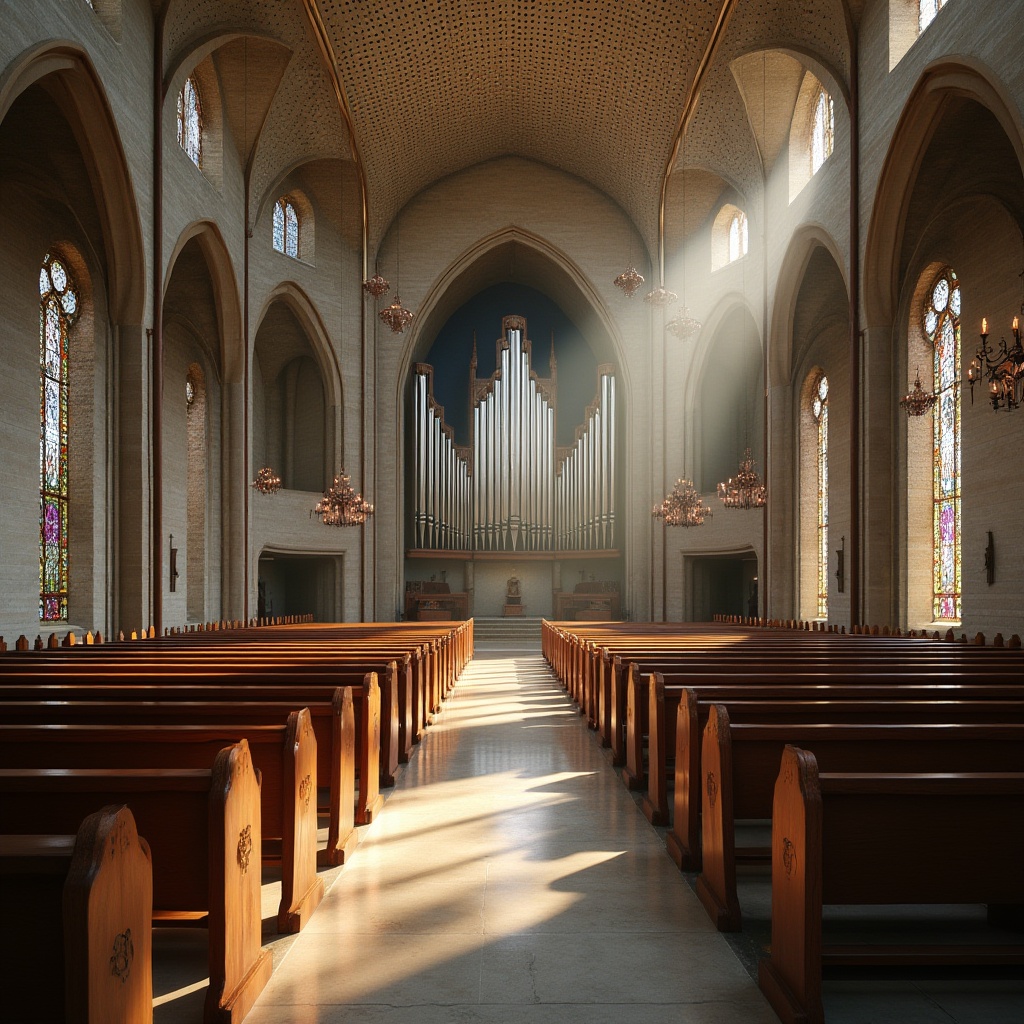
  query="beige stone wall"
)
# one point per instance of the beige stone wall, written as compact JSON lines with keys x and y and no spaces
{"x":90,"y":187}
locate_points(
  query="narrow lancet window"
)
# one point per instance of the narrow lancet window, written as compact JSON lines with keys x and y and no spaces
{"x":286,"y":228}
{"x":823,"y":131}
{"x":190,"y":122}
{"x":819,"y":410}
{"x":58,"y":310}
{"x":942,"y":325}
{"x":927,"y":9}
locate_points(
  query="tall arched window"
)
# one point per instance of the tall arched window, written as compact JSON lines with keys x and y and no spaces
{"x":58,"y":310}
{"x":819,"y":410}
{"x":927,"y":9}
{"x":190,"y":122}
{"x":286,"y":227}
{"x":738,"y":236}
{"x":823,"y":131}
{"x":942,"y":326}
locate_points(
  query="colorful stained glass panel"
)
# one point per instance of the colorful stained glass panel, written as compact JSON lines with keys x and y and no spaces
{"x":59,"y":305}
{"x":941,"y":316}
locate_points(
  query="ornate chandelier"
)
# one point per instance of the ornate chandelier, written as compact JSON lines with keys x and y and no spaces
{"x":683,"y":326}
{"x":266,"y":482}
{"x":629,"y":281}
{"x":746,"y":489}
{"x":683,"y":507}
{"x":396,"y":316}
{"x":918,"y":401}
{"x":660,"y":296}
{"x":341,"y":506}
{"x":1004,"y":369}
{"x":376,"y":285}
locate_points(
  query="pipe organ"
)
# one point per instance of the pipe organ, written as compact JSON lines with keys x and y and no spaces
{"x":513,"y":488}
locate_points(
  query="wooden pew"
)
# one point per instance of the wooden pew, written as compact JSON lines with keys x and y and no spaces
{"x":108,"y":685}
{"x":875,"y":838}
{"x":79,"y":907}
{"x":284,"y":757}
{"x":333,"y":728}
{"x":738,"y":761}
{"x":112,"y":664}
{"x":646,"y":703}
{"x":202,"y":826}
{"x":684,"y":840}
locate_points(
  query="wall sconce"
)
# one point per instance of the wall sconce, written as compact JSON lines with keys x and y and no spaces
{"x":174,"y":566}
{"x":990,"y":560}
{"x":841,"y":566}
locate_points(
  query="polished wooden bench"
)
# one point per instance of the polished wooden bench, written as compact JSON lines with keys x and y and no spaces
{"x":879,"y":838}
{"x":283,"y":756}
{"x":203,"y":829}
{"x":79,"y":909}
{"x":683,"y":840}
{"x":146,"y":663}
{"x":333,"y":728}
{"x":167,"y":685}
{"x":739,"y":762}
{"x":652,"y":708}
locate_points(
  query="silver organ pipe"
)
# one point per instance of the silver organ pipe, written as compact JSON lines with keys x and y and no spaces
{"x":513,"y":489}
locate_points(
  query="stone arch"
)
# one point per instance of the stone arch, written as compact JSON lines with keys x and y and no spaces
{"x":793,"y":268}
{"x":230,"y":356}
{"x":201,"y":293}
{"x":707,"y":379}
{"x":316,"y":352}
{"x":68,"y":76}
{"x":921,"y":115}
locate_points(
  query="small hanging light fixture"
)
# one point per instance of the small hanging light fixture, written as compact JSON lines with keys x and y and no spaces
{"x":396,"y":316}
{"x":266,"y":481}
{"x":341,"y":506}
{"x":918,"y":401}
{"x":745,"y":489}
{"x":683,"y":507}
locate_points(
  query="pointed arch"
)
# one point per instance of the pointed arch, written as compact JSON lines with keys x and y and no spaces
{"x":224,"y":281}
{"x":922,"y":113}
{"x":69,"y":77}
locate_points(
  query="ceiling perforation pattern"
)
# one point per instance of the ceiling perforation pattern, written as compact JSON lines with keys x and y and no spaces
{"x":589,"y":86}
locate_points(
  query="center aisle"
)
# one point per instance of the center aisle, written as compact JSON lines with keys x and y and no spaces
{"x":510,"y":878}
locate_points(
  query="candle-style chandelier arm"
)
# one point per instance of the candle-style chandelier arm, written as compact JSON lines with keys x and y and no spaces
{"x":1003,"y":369}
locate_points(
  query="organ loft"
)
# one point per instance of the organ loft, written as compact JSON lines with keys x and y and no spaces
{"x":513,"y":492}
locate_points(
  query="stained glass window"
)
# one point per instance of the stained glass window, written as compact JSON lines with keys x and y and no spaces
{"x":738,"y":236}
{"x":58,"y":310}
{"x":286,"y":228}
{"x":823,"y":133}
{"x":942,"y":325}
{"x":819,"y":410}
{"x":927,"y":9}
{"x":190,"y":122}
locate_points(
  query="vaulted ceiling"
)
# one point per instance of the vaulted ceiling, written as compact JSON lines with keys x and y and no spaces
{"x":415,"y":90}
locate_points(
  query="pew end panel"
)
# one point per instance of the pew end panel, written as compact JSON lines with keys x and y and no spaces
{"x":716,"y":886}
{"x":683,"y":841}
{"x":301,"y":888}
{"x":239,"y":967}
{"x":370,"y":801}
{"x":108,"y":912}
{"x":341,"y":830}
{"x":654,"y":803}
{"x":636,"y":706}
{"x":791,"y":977}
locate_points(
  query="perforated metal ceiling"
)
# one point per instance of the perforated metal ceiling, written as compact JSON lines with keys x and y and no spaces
{"x":594,"y":87}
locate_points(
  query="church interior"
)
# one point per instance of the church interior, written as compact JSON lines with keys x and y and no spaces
{"x":414,"y":314}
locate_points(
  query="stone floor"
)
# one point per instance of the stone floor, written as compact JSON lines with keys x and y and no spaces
{"x":511,"y":878}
